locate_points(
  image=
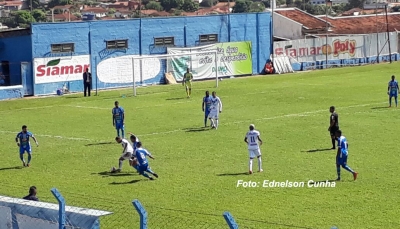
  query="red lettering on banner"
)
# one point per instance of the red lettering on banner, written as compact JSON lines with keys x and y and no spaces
{"x":341,"y":47}
{"x":42,"y":70}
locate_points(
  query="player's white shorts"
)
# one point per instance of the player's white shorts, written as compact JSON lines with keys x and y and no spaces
{"x":127,"y":155}
{"x":213,"y":114}
{"x":254,"y":153}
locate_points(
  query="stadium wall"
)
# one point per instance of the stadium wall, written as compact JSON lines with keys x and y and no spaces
{"x":51,"y":71}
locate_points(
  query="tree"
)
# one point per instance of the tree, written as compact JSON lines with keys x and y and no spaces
{"x":241,"y":6}
{"x":154,"y":6}
{"x":256,"y":7}
{"x":208,"y":3}
{"x":190,"y":6}
{"x":267,"y":4}
{"x":111,"y":11}
{"x":169,"y":4}
{"x":23,"y":18}
{"x":39,"y":15}
{"x":36,"y":4}
{"x":54,"y":3}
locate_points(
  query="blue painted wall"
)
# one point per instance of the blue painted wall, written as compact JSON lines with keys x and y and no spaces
{"x":90,"y":39}
{"x":16,"y":49}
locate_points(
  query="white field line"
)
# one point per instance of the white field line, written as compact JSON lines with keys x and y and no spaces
{"x":303,"y":114}
{"x":49,"y":136}
{"x":27,"y":108}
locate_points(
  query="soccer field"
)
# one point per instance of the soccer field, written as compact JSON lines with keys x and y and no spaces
{"x":199,"y":168}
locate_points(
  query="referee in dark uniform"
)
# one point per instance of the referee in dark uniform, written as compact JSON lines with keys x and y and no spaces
{"x":333,"y":125}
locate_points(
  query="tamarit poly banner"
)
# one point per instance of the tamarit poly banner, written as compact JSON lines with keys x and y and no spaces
{"x":233,"y":59}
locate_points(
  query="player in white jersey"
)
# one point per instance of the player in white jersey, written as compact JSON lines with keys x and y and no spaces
{"x":126,"y":153}
{"x":253,"y":141}
{"x":215,"y":109}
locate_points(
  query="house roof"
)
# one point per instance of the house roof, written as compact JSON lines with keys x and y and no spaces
{"x":308,"y":21}
{"x":65,"y":17}
{"x":63,"y":7}
{"x":224,"y":4}
{"x":94,"y":10}
{"x":12,"y":3}
{"x":370,"y":23}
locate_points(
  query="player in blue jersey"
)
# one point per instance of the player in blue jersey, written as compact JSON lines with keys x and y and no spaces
{"x":206,"y":105}
{"x":342,"y":154}
{"x":143,"y":165}
{"x":24,"y":144}
{"x":133,"y":160}
{"x":118,"y":115}
{"x":393,"y":90}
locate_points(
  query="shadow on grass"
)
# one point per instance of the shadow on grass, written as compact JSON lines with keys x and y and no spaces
{"x":175,"y":98}
{"x":231,"y":174}
{"x":73,"y":96}
{"x":376,"y":108}
{"x":197,"y":129}
{"x":128,"y":182}
{"x":317,"y":150}
{"x":110,"y":174}
{"x":10,"y":168}
{"x":100,"y":143}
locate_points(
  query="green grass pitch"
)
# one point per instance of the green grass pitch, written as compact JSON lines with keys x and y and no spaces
{"x":199,"y":169}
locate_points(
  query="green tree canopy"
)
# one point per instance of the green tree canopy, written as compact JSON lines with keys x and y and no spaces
{"x":190,"y":6}
{"x":242,"y":6}
{"x":208,"y":3}
{"x":23,"y":18}
{"x":39,"y":15}
{"x":152,"y":5}
{"x":54,"y":3}
{"x":257,"y":7}
{"x":169,"y":4}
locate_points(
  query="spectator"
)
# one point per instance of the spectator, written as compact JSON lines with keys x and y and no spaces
{"x":32,"y":194}
{"x":269,"y":69}
{"x":2,"y":80}
{"x":87,"y":82}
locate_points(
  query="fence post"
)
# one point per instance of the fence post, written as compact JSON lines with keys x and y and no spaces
{"x":230,"y":220}
{"x":142,"y":213}
{"x":61,"y":210}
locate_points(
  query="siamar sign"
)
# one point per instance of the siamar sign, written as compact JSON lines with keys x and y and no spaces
{"x":60,"y":69}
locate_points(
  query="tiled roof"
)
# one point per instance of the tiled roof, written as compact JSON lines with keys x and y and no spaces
{"x":307,"y":20}
{"x":364,"y":24}
{"x":94,"y":10}
{"x":63,"y":7}
{"x":65,"y":17}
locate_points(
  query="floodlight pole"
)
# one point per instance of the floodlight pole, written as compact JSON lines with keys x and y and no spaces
{"x":326,"y":37}
{"x":388,"y":33}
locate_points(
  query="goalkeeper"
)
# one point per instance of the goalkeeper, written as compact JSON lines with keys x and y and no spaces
{"x":187,"y":81}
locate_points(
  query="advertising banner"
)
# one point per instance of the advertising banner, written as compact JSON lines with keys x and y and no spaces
{"x":60,"y":69}
{"x":233,"y":59}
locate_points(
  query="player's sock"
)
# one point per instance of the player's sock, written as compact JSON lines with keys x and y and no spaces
{"x":190,"y":91}
{"x":120,"y":165}
{"x":259,"y":164}
{"x":21,"y":156}
{"x":216,"y":123}
{"x":251,"y":165}
{"x":212,"y":122}
{"x":150,"y":171}
{"x":136,"y":167}
{"x":333,"y":143}
{"x":390,"y":102}
{"x":123,"y":133}
{"x":205,"y":121}
{"x":346,"y":167}
{"x":395,"y":99}
{"x":146,"y":175}
{"x":118,"y":132}
{"x":29,"y":158}
{"x":338,"y":171}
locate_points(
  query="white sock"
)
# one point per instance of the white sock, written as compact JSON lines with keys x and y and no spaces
{"x":216,"y":123}
{"x":212,"y":122}
{"x":259,"y":164}
{"x":120,"y":165}
{"x":251,"y":165}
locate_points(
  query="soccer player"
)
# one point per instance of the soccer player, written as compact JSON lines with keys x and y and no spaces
{"x":24,"y":144}
{"x":127,"y":151}
{"x":206,"y":107}
{"x":134,"y":139}
{"x":143,"y":164}
{"x":187,"y":81}
{"x":342,"y":154}
{"x":393,"y":89}
{"x":133,"y":160}
{"x":215,"y":109}
{"x":253,"y":141}
{"x":118,"y":115}
{"x":333,"y":125}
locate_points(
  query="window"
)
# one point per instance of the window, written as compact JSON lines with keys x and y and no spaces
{"x":67,"y":47}
{"x":117,"y":44}
{"x":164,"y":41}
{"x":208,"y":38}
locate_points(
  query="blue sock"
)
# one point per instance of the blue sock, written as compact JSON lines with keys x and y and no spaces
{"x":118,"y":132}
{"x":136,"y":167}
{"x":395,"y":99}
{"x":150,"y":171}
{"x":123,"y":133}
{"x":346,"y":167}
{"x":29,"y":158}
{"x":338,"y":171}
{"x":205,"y":121}
{"x":21,"y":156}
{"x":146,"y":175}
{"x":390,"y":101}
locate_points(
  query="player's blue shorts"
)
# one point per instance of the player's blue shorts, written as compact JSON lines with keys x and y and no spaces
{"x":393,"y":94}
{"x":143,"y":168}
{"x":23,"y":149}
{"x":119,"y":126}
{"x":341,"y":160}
{"x":206,"y":113}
